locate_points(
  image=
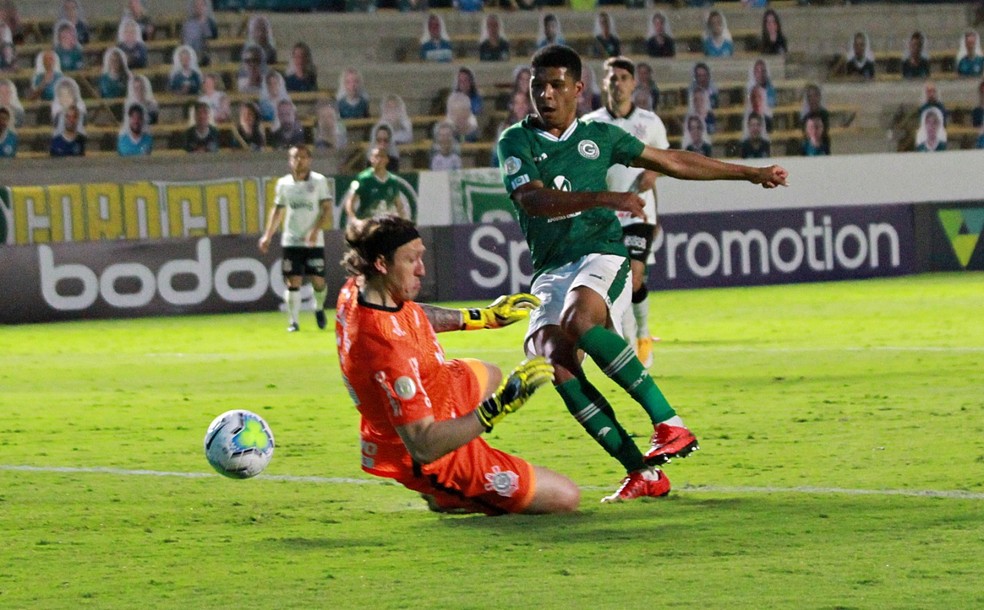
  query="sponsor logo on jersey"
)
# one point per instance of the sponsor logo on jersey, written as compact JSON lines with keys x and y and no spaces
{"x":562,"y":184}
{"x":588,"y":149}
{"x":405,"y":388}
{"x":511,"y":165}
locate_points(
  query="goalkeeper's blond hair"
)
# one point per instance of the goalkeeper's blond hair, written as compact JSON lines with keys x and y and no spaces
{"x":375,"y":237}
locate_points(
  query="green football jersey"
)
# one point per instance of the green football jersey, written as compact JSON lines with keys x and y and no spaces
{"x":577,"y":161}
{"x":375,"y":195}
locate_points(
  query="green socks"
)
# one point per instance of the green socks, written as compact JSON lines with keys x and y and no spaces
{"x":593,"y":412}
{"x":617,"y":360}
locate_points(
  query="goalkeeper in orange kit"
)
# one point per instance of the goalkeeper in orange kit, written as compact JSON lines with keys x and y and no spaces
{"x":422,"y":414}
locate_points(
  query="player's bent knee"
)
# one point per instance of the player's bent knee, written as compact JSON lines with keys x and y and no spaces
{"x":576,"y":323}
{"x":566,"y":499}
{"x":569,"y":499}
{"x":555,"y":493}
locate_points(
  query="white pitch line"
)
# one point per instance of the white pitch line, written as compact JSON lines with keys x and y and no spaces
{"x":185,"y":475}
{"x":953,"y":494}
{"x":669,"y":346}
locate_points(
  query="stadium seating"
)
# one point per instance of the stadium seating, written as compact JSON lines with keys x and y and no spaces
{"x":384,"y":47}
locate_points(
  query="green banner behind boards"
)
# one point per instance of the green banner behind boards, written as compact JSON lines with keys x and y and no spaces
{"x":478,"y":196}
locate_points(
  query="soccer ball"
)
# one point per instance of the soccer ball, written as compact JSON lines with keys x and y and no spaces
{"x":239,"y":444}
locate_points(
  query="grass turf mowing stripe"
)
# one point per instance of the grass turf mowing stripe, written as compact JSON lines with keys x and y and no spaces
{"x":954,"y":494}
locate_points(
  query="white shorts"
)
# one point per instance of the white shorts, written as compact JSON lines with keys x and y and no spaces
{"x":606,"y":274}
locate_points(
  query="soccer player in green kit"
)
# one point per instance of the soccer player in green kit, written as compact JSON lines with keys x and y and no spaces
{"x":554,"y":168}
{"x":375,"y":191}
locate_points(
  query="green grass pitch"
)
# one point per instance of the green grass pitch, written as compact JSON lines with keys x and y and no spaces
{"x":842,"y":466}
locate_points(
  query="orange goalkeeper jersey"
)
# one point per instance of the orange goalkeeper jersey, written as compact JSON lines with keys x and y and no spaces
{"x":396,"y":373}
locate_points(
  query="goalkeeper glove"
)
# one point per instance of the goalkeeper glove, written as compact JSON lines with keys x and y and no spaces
{"x":501,"y":312}
{"x":514,"y":391}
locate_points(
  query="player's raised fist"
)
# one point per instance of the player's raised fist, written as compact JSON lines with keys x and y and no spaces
{"x":773,"y":176}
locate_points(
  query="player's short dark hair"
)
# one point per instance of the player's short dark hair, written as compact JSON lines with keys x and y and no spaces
{"x":621,"y":62}
{"x":375,"y":237}
{"x":135,"y":108}
{"x":558,"y":56}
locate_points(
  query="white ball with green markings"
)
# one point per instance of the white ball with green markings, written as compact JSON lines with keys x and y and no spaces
{"x":239,"y":444}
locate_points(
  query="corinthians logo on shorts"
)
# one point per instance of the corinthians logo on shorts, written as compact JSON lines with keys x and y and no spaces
{"x":588,"y":149}
{"x":503,"y":482}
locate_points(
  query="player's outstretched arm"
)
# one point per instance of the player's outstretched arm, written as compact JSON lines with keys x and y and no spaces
{"x":442,"y":319}
{"x":504,"y":311}
{"x":687,"y":165}
{"x":537,"y":200}
{"x":427,"y":439}
{"x":513,"y":393}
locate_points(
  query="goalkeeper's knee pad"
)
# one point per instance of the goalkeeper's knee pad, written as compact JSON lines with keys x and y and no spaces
{"x":640,"y":295}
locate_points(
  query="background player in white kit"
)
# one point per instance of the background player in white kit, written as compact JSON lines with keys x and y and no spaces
{"x":303,"y":203}
{"x":638,"y":233}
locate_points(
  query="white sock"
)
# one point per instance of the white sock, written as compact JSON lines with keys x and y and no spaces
{"x":629,"y":327}
{"x":641,"y":315}
{"x":674,"y":421}
{"x":293,"y":300}
{"x":651,"y":474}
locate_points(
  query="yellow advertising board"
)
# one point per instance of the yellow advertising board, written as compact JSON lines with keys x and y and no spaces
{"x":136,"y":210}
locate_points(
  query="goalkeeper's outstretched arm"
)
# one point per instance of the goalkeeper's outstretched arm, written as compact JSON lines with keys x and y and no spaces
{"x":504,"y":311}
{"x":427,"y":439}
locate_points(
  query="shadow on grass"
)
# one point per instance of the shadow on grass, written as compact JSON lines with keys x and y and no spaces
{"x":605,"y":518}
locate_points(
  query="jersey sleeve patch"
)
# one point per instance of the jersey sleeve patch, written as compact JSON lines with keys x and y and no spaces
{"x":511,"y":165}
{"x":405,"y":388}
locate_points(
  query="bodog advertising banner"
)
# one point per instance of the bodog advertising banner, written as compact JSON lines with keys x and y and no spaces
{"x":122,"y":278}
